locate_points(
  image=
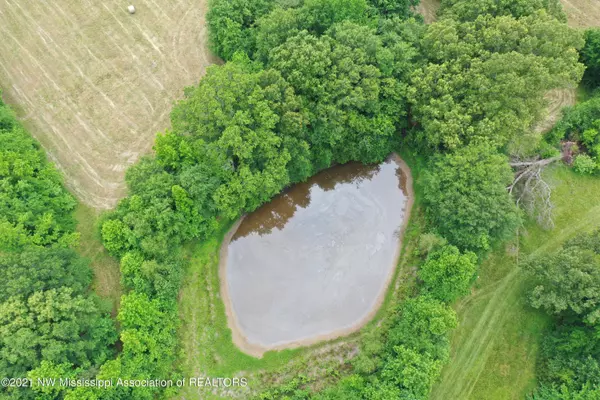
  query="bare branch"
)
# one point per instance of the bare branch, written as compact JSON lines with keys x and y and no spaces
{"x":543,"y":162}
{"x":531,"y":192}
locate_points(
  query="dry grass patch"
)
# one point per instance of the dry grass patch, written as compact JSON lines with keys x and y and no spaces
{"x":428,"y":9}
{"x":557,"y":99}
{"x":94,"y":84}
{"x":582,"y":13}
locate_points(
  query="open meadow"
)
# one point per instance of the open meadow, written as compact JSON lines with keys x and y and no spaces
{"x":494,"y":349}
{"x":95,"y":84}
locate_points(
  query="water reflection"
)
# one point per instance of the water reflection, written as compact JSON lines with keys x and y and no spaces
{"x":278,"y":211}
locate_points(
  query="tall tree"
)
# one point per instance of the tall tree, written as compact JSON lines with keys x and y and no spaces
{"x":568,"y":282}
{"x":346,"y":80}
{"x":486,"y":79}
{"x":590,"y":56}
{"x":448,"y":274}
{"x":255,"y":129}
{"x":231,"y":25}
{"x":466,"y":198}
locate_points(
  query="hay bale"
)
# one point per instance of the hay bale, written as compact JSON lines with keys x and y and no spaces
{"x":131,"y":9}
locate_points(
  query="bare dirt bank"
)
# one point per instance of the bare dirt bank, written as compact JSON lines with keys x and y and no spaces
{"x":257,"y":350}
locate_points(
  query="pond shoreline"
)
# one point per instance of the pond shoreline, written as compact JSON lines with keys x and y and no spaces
{"x":256,"y":350}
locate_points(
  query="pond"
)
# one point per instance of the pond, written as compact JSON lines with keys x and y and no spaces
{"x":315,"y":262}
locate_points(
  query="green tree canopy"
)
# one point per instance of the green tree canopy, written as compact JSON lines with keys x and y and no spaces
{"x":448,"y":274}
{"x":35,"y":209}
{"x":423,"y":324}
{"x":400,"y":8}
{"x":580,"y":123}
{"x":570,"y":357}
{"x":346,"y":80}
{"x":486,"y":78}
{"x":466,"y":198}
{"x":590,"y":56}
{"x":254,"y":130}
{"x":469,"y":10}
{"x":54,"y":325}
{"x":568,"y":282}
{"x":39,"y":269}
{"x":231,"y":23}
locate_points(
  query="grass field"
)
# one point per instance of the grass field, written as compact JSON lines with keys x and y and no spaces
{"x":107,"y":275}
{"x":95,"y":84}
{"x":495,"y":347}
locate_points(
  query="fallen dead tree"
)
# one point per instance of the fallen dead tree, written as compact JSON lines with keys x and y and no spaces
{"x":531,"y":191}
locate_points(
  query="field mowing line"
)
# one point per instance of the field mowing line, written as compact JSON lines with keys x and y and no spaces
{"x":582,"y":13}
{"x":469,"y":359}
{"x":94,"y":84}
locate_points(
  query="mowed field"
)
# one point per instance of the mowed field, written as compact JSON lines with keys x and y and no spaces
{"x":495,"y":348}
{"x":582,"y":13}
{"x":95,"y":84}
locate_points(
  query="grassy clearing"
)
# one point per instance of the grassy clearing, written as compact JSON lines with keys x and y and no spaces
{"x":94,"y":84}
{"x":495,"y":347}
{"x":107,"y":275}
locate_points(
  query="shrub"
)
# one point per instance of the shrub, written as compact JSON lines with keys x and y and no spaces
{"x":448,"y":274}
{"x":584,"y":164}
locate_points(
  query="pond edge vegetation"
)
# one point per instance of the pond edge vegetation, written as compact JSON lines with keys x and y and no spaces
{"x":257,"y":350}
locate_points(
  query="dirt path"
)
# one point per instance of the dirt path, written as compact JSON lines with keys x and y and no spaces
{"x":257,"y":350}
{"x":95,"y":84}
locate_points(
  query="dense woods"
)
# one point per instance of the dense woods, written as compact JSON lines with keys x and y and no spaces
{"x":49,"y":320}
{"x":308,"y":84}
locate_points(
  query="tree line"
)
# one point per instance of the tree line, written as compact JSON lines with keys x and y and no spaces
{"x":50,"y":322}
{"x":567,"y":287}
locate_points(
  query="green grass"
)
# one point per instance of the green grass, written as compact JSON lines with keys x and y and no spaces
{"x":495,"y":347}
{"x":107,"y":274}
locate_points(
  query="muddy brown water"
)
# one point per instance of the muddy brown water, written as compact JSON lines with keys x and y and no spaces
{"x":315,"y":262}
